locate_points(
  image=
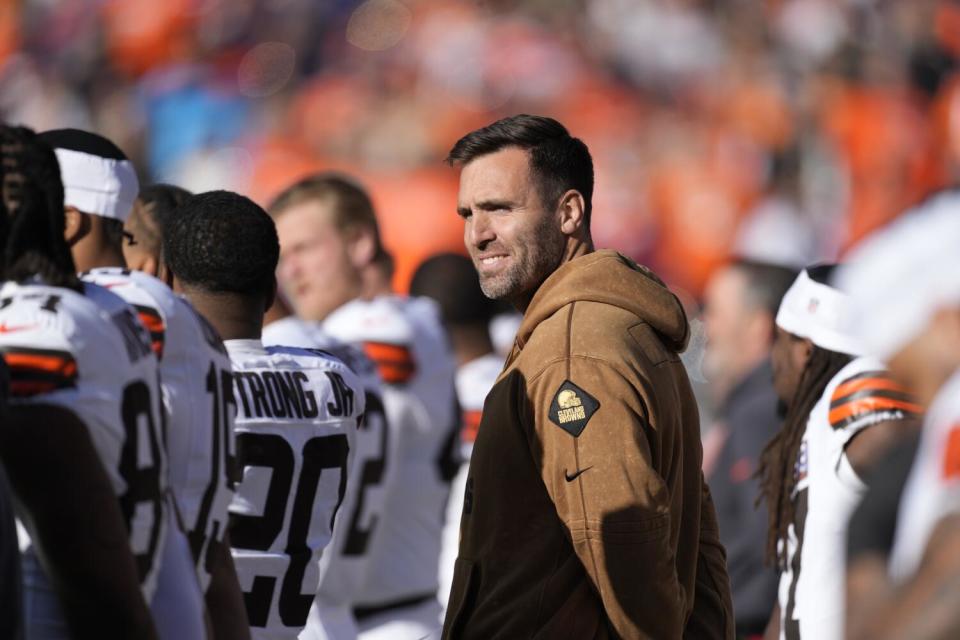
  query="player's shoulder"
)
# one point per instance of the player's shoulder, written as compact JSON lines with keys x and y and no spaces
{"x":382,"y":319}
{"x":294,"y":332}
{"x":864,"y":393}
{"x":52,"y":337}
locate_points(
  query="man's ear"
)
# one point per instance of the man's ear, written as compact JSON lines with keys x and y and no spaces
{"x":272,"y":295}
{"x":361,"y":247}
{"x":76,"y":225}
{"x":572,"y":209}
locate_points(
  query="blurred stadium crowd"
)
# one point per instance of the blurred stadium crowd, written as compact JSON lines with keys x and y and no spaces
{"x":784,"y":129}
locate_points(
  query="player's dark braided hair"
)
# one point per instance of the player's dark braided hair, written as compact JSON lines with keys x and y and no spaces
{"x":31,"y":211}
{"x":778,"y":461}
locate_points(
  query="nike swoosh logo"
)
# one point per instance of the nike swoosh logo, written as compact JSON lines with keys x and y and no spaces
{"x":571,"y":478}
{"x":8,"y":329}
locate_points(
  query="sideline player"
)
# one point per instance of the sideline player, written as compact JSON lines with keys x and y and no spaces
{"x":451,"y":281}
{"x":905,"y":286}
{"x":195,"y":376}
{"x":297,"y":410}
{"x":843,"y":412}
{"x":332,"y":269}
{"x":345,"y":566}
{"x":78,"y":431}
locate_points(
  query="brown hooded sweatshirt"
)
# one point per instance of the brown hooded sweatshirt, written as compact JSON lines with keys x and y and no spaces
{"x":586,"y":514}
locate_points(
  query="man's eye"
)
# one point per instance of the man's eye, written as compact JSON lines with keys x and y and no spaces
{"x":131,"y":240}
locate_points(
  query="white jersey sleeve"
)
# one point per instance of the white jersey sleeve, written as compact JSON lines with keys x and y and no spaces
{"x":860,"y":395}
{"x":406,"y":341}
{"x":197,"y":382}
{"x":474,"y":380}
{"x":89,"y":353}
{"x":933,"y":486}
{"x":296,"y":427}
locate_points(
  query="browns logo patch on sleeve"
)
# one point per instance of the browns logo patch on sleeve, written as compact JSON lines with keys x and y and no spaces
{"x":36,"y":371}
{"x":572,"y":408}
{"x":871,"y":396}
{"x":394,"y":361}
{"x":153,"y":321}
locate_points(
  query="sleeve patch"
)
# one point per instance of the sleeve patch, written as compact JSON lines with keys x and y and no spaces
{"x":572,"y":408}
{"x":394,"y":361}
{"x":153,"y":322}
{"x":36,"y":371}
{"x":871,"y":396}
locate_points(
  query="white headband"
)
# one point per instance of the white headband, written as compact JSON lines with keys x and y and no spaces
{"x":901,"y":275}
{"x":98,"y":185}
{"x":819,"y":313}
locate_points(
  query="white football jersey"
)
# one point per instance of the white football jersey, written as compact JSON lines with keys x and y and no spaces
{"x":405,"y":339}
{"x":89,"y":353}
{"x":812,"y":588}
{"x":933,"y":487}
{"x":474,"y":380}
{"x":197,"y":383}
{"x":346,"y":561}
{"x":296,"y":426}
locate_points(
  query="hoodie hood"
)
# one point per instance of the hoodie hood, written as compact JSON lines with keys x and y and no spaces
{"x":610,"y":278}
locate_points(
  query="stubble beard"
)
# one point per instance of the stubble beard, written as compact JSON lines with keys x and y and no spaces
{"x":539,"y":256}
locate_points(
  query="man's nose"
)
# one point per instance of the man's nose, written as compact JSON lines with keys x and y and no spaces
{"x":479,"y":230}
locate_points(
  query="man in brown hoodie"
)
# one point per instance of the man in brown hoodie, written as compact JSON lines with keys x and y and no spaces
{"x":585,"y":513}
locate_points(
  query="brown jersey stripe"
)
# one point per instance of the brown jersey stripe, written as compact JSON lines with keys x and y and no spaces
{"x":34,"y":371}
{"x":871,"y":393}
{"x":880,"y":383}
{"x":394,"y":362}
{"x":859,"y":408}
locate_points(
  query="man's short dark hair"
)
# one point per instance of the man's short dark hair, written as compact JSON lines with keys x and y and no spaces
{"x":154,"y":205}
{"x":451,"y":280}
{"x":558,"y":161}
{"x":222,"y":242}
{"x":766,"y":283}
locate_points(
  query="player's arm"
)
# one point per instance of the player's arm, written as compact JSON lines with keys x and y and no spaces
{"x":607,"y":493}
{"x":870,"y":444}
{"x":928,"y":606}
{"x":228,"y":614}
{"x":70,"y":509}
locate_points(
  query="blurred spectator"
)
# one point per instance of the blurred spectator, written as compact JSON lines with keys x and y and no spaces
{"x":688,"y":106}
{"x":741,"y":304}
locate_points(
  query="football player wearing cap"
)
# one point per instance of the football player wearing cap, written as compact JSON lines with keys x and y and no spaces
{"x":905,"y":286}
{"x":100,"y":192}
{"x":332,"y":267}
{"x":842,"y":411}
{"x":70,"y":439}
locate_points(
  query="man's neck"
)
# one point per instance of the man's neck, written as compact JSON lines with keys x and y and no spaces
{"x":102,"y":258}
{"x":234,"y":317}
{"x":575,"y":248}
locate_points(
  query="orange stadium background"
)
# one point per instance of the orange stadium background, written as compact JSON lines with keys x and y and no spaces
{"x":784,"y":129}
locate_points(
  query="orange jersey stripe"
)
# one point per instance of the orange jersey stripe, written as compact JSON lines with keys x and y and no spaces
{"x":64,"y":366}
{"x":867,"y":405}
{"x":394,"y":362}
{"x":951,"y":461}
{"x":471,"y":425}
